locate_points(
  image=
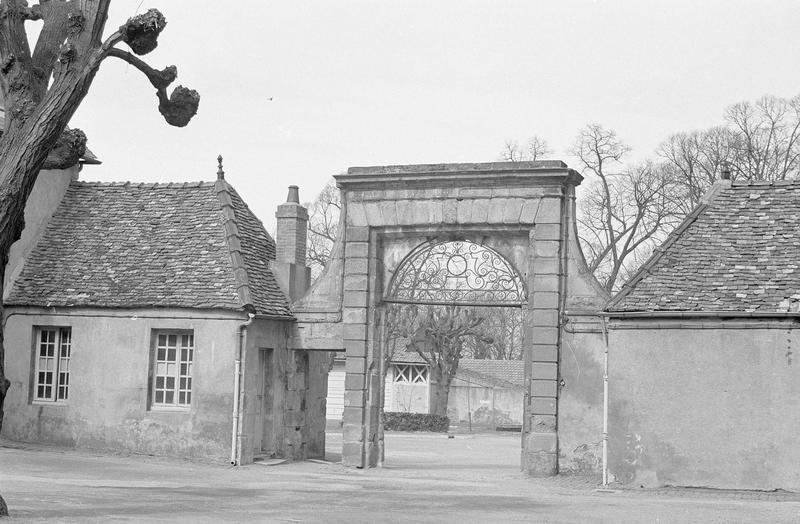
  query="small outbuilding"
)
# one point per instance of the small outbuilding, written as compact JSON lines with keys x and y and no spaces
{"x":150,"y":318}
{"x":704,"y":366}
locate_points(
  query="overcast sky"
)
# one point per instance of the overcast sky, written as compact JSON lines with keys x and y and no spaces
{"x":294,"y":92}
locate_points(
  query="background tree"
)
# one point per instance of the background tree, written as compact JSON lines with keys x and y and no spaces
{"x":535,"y":148}
{"x":323,"y":222}
{"x":501,"y":335}
{"x":43,"y":88}
{"x":438,"y":335}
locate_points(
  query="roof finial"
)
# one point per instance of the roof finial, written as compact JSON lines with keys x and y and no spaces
{"x":220,"y":172}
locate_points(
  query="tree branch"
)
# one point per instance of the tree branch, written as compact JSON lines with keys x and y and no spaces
{"x":177,"y":109}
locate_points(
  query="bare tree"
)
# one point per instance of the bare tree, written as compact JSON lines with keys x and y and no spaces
{"x":620,"y":213}
{"x":437,"y":334}
{"x":323,"y":223}
{"x":767,"y":145}
{"x":501,"y":335}
{"x":535,"y":148}
{"x":759,"y":141}
{"x":43,"y":88}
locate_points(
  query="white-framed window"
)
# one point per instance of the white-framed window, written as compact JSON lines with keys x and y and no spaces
{"x":172,"y":369}
{"x":410,"y":374}
{"x":53,"y":351}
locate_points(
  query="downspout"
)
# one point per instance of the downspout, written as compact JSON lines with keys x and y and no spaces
{"x":237,"y":373}
{"x":605,"y":401}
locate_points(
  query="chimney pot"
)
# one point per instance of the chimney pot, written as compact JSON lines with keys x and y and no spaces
{"x":294,"y":195}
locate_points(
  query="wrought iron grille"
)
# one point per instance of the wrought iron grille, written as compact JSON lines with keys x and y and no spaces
{"x":456,"y":272}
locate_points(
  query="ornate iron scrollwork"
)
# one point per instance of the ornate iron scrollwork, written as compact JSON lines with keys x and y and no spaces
{"x":456,"y":272}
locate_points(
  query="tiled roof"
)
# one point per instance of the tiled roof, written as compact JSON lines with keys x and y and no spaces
{"x":739,"y":252}
{"x":193,"y":245}
{"x":483,"y":372}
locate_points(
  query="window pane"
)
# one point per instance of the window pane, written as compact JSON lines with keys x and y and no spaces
{"x":169,"y":397}
{"x":162,"y":354}
{"x":171,"y":354}
{"x":172,"y":340}
{"x":160,"y":397}
{"x":160,"y":382}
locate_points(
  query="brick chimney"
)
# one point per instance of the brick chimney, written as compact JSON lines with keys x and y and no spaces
{"x":290,"y":239}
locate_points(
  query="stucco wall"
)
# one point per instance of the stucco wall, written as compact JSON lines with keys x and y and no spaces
{"x":705,"y":406}
{"x":108,"y":397}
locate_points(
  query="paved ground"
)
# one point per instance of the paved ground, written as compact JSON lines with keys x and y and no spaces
{"x":428,"y":478}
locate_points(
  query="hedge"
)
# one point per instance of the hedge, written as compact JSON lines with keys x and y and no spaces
{"x":398,"y":421}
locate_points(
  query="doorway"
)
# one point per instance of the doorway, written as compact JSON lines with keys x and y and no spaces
{"x":265,"y":404}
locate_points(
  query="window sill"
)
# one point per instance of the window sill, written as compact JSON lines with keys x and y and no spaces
{"x":170,"y":409}
{"x":58,"y":403}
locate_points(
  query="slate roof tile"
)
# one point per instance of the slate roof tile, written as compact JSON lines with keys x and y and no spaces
{"x":738,"y":252}
{"x":152,"y":245}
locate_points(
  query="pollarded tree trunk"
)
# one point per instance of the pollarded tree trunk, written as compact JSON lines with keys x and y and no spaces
{"x":43,"y":89}
{"x":440,"y":390}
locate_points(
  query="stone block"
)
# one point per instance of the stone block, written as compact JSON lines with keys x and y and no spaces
{"x":354,"y":315}
{"x":464,"y":213}
{"x":497,"y":209}
{"x":544,"y":300}
{"x":355,"y":348}
{"x":435,"y":212}
{"x":538,"y":463}
{"x":356,"y":249}
{"x":352,"y":433}
{"x":480,"y":211}
{"x":354,"y":332}
{"x":543,"y":423}
{"x":421,"y":211}
{"x":545,"y":283}
{"x":545,"y":266}
{"x":357,"y":234}
{"x":389,"y":213}
{"x":449,"y":211}
{"x":356,"y":282}
{"x":352,"y":415}
{"x":545,"y":248}
{"x":405,"y":212}
{"x":355,"y":266}
{"x":528,"y":213}
{"x":544,"y":335}
{"x":374,"y":212}
{"x":355,"y":381}
{"x":354,"y":298}
{"x":547,"y":442}
{"x":354,"y":398}
{"x":545,"y":352}
{"x":547,"y":232}
{"x":359,"y":365}
{"x":544,"y":388}
{"x":549,"y":211}
{"x":512,"y":210}
{"x":356,"y":215}
{"x":541,"y":370}
{"x":541,"y":405}
{"x":352,"y":454}
{"x":544,"y":317}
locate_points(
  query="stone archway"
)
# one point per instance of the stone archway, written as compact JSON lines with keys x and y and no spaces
{"x":523,"y":211}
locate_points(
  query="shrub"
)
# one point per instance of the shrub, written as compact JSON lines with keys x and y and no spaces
{"x":398,"y":421}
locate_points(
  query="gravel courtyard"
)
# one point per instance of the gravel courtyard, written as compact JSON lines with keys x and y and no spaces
{"x":427,"y":478}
